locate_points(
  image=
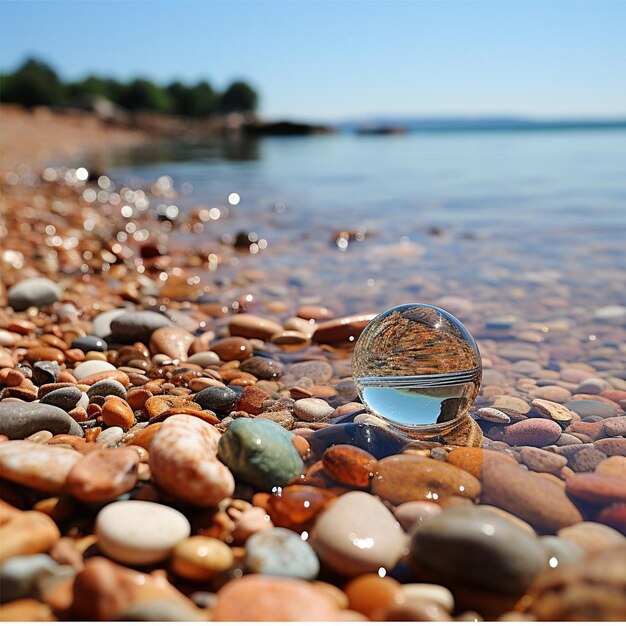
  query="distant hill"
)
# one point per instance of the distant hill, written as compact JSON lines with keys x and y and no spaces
{"x":470,"y":124}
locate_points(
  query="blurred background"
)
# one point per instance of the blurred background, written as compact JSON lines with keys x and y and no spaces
{"x":344,"y":141}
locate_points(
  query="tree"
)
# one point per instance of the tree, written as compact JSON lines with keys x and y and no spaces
{"x":95,"y":86}
{"x":33,"y":84}
{"x":238,"y":97}
{"x":144,"y":95}
{"x":204,"y":100}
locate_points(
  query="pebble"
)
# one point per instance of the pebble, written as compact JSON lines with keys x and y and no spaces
{"x":357,"y":534}
{"x":349,"y":465}
{"x":33,"y":292}
{"x":431,"y":593}
{"x":232,"y":349}
{"x":586,"y":460}
{"x":106,"y":388}
{"x":117,"y":412}
{"x":208,"y":358}
{"x":553,"y":410}
{"x":90,"y":343}
{"x":403,"y":478}
{"x":157,"y":610}
{"x":137,"y":326}
{"x":613,"y":466}
{"x":585,"y":408}
{"x":489,"y":414}
{"x":183,"y":461}
{"x":561,"y":550}
{"x":220,"y":400}
{"x":262,"y":368}
{"x":592,"y":537}
{"x":260,"y":453}
{"x":540,"y":460}
{"x":536,"y":500}
{"x":473,"y":460}
{"x":510,"y":402}
{"x":614,"y":427}
{"x":18,"y":575}
{"x":280,"y":552}
{"x":272,"y":599}
{"x":371,"y":595}
{"x":101,"y":323}
{"x":410,"y":513}
{"x":342,"y":330}
{"x":253,"y":326}
{"x":201,"y":558}
{"x":37,"y":466}
{"x":65,"y":398}
{"x":597,"y":488}
{"x":91,"y":368}
{"x":19,"y":420}
{"x":537,"y":432}
{"x":312,"y":410}
{"x":103,"y":475}
{"x":317,"y":372}
{"x":467,"y":545}
{"x":552,"y":393}
{"x":147,"y":535}
{"x":593,"y":386}
{"x":111,"y":436}
{"x":610,"y":313}
{"x":172,"y":341}
{"x":27,"y":533}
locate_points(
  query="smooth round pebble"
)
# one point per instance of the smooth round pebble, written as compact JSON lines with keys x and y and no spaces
{"x":139,"y":533}
{"x":201,"y":558}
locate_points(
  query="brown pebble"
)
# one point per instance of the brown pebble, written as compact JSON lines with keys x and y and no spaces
{"x":232,"y":348}
{"x":372,"y":595}
{"x":349,"y":465}
{"x":28,"y":533}
{"x":117,"y":412}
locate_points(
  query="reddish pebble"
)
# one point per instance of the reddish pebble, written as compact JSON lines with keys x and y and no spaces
{"x":593,"y":487}
{"x":232,"y":349}
{"x":349,"y":465}
{"x":537,"y":432}
{"x":117,"y":412}
{"x":372,"y":595}
{"x":252,"y":399}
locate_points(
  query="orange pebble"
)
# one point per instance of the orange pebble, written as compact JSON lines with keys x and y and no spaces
{"x":372,"y":595}
{"x":117,"y":412}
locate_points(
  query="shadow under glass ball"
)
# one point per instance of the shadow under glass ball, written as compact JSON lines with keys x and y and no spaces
{"x":418,"y":367}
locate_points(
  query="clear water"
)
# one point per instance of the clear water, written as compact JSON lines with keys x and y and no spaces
{"x":419,"y":402}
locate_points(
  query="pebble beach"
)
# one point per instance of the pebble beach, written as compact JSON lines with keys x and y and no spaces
{"x":181,"y":438}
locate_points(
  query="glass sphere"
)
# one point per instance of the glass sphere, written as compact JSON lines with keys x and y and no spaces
{"x":418,"y":367}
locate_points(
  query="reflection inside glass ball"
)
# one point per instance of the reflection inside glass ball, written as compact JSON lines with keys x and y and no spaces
{"x":417,"y":367}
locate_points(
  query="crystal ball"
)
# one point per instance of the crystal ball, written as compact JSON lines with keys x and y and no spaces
{"x":417,"y":367}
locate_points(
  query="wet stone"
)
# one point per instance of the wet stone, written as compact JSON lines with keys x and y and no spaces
{"x":262,"y":368}
{"x":45,"y":372}
{"x":138,"y":326}
{"x":317,"y":372}
{"x":280,"y":552}
{"x":106,"y":388}
{"x":90,"y":343}
{"x":220,"y":400}
{"x":349,"y":465}
{"x":585,"y":408}
{"x":497,"y":555}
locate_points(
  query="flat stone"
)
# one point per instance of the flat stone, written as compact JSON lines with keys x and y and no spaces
{"x":19,"y":420}
{"x":613,"y":446}
{"x":466,"y":545}
{"x":253,"y":326}
{"x":30,"y":532}
{"x":410,"y":513}
{"x":138,"y":532}
{"x":18,"y":575}
{"x":510,"y":402}
{"x":613,"y":466}
{"x":37,"y":466}
{"x":403,"y":478}
{"x":262,"y":368}
{"x":489,"y":414}
{"x":316,"y":371}
{"x":614,"y":427}
{"x":33,"y":292}
{"x":536,"y":500}
{"x":232,"y":348}
{"x":183,"y":461}
{"x":106,"y":388}
{"x":553,"y":410}
{"x":585,"y":408}
{"x":260,"y":452}
{"x":561,"y":550}
{"x":357,"y":534}
{"x":532,"y":432}
{"x":103,"y":475}
{"x":280,"y":552}
{"x":208,"y":358}
{"x":597,"y":488}
{"x":593,"y":538}
{"x":543,"y":461}
{"x":349,"y":465}
{"x":552,"y":393}
{"x":342,"y":330}
{"x":313,"y":410}
{"x":138,"y":326}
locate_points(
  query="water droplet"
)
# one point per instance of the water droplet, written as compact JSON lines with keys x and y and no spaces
{"x":417,"y":367}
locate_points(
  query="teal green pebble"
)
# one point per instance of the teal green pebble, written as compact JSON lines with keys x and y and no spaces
{"x":260,"y":452}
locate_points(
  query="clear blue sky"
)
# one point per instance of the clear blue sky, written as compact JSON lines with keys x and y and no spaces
{"x":330,"y":60}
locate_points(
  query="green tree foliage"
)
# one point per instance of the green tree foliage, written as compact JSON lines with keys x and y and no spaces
{"x":35,"y":83}
{"x":239,"y":96}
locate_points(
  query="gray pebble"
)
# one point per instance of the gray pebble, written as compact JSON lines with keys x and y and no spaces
{"x":111,"y":436}
{"x":65,"y":398}
{"x":560,"y":551}
{"x":18,"y":576}
{"x":262,"y":368}
{"x":45,"y":372}
{"x":19,"y":420}
{"x":137,"y":326}
{"x":107,"y":387}
{"x":33,"y":292}
{"x":280,"y":552}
